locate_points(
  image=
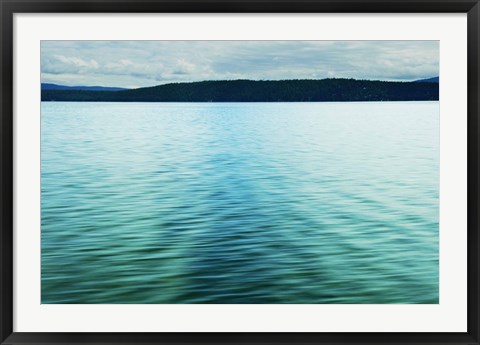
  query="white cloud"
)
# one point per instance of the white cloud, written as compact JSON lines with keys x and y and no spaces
{"x":183,"y":67}
{"x":75,"y":61}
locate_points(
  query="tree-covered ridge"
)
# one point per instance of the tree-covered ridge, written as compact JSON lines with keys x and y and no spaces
{"x":325,"y":90}
{"x":49,"y":86}
{"x":429,"y":80}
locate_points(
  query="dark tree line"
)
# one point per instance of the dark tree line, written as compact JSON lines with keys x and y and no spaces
{"x":325,"y":90}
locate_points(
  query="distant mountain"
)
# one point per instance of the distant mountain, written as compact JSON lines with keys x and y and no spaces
{"x":325,"y":90}
{"x":46,"y":86}
{"x":429,"y":80}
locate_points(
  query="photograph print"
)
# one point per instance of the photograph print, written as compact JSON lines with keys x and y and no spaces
{"x":240,"y":172}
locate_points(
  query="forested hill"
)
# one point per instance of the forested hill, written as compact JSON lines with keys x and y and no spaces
{"x":325,"y":90}
{"x":47,"y":86}
{"x":429,"y":80}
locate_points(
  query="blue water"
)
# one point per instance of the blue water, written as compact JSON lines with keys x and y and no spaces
{"x":240,"y":202}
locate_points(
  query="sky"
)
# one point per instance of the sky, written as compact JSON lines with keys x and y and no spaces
{"x":133,"y":64}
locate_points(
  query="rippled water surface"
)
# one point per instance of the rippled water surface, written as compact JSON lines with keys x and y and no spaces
{"x":240,"y":202}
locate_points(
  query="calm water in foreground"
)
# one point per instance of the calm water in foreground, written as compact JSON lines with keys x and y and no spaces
{"x":240,"y":202}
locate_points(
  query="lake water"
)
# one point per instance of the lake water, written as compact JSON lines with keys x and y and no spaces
{"x":240,"y":202}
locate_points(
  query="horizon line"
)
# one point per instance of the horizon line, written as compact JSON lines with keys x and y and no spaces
{"x":254,"y":80}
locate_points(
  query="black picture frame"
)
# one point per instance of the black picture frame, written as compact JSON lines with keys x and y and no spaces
{"x":9,"y":8}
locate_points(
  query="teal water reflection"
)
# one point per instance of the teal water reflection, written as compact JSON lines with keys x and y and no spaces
{"x":240,"y":202}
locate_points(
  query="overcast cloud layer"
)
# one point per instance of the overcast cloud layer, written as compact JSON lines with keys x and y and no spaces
{"x":148,"y":63}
